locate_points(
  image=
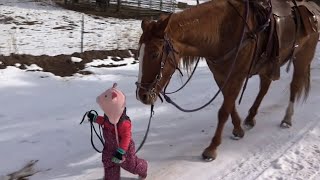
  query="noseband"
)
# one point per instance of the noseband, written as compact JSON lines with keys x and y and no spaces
{"x":168,"y":50}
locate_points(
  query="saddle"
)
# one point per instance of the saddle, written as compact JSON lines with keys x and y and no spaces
{"x":285,"y":23}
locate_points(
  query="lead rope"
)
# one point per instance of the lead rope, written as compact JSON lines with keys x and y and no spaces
{"x":92,"y":128}
{"x":194,"y":69}
{"x":147,"y":132}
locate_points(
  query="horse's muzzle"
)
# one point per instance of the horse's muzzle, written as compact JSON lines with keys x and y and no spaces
{"x":145,"y":96}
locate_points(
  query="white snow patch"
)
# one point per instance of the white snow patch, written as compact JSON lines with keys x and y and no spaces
{"x":33,"y":67}
{"x":76,"y":59}
{"x":17,"y":65}
{"x":110,"y":61}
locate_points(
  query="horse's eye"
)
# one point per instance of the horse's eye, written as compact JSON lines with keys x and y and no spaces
{"x":105,"y":96}
{"x":155,"y":55}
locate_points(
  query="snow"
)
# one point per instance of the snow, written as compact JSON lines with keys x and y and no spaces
{"x":40,"y":115}
{"x":41,"y":29}
{"x":109,"y":61}
{"x":34,"y":67}
{"x":17,"y":64}
{"x":192,"y":2}
{"x":76,"y":59}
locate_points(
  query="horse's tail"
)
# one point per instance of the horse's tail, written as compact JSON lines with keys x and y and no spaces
{"x":305,"y":86}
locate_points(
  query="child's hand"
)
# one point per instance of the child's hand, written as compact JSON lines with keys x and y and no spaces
{"x":118,"y":161}
{"x":91,"y":117}
{"x":118,"y":156}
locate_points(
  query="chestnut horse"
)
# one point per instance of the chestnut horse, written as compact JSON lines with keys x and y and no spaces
{"x":233,"y":41}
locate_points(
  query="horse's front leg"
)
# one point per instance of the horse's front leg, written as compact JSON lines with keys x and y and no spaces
{"x":236,"y":121}
{"x":264,"y":87}
{"x":230,"y":93}
{"x":210,"y":153}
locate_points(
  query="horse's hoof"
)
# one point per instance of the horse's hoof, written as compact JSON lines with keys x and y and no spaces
{"x":235,"y":138}
{"x":237,"y":134}
{"x":247,"y":127}
{"x":209,"y":155}
{"x":207,"y":159}
{"x":249,"y":123}
{"x":285,"y":125}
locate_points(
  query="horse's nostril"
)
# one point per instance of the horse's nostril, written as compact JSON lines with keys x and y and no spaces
{"x":144,"y":97}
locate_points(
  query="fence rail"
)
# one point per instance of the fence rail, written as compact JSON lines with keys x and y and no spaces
{"x":162,"y":5}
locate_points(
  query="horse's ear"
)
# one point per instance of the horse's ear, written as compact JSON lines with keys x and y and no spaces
{"x":162,"y":17}
{"x":163,"y":21}
{"x":144,"y":24}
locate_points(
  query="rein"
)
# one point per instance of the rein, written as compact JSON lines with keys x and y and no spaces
{"x":168,"y":99}
{"x":147,"y":131}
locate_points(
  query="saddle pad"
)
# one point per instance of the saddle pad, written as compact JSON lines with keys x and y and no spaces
{"x":314,"y":9}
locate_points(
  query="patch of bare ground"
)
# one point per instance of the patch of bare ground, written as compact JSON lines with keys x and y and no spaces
{"x":61,"y":65}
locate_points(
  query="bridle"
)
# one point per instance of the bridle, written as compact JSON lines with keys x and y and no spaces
{"x":168,"y":51}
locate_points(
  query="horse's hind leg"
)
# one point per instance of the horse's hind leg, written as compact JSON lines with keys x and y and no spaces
{"x":301,"y":78}
{"x":264,"y":87}
{"x":295,"y":87}
{"x":299,"y":82}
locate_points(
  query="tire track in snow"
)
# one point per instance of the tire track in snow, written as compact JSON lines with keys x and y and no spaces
{"x":287,"y":154}
{"x":302,"y":161}
{"x":254,"y":166}
{"x":286,"y":151}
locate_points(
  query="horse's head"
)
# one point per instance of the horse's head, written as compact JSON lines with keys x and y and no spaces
{"x":157,"y":60}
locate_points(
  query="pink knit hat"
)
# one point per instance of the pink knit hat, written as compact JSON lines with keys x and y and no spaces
{"x":112,"y":102}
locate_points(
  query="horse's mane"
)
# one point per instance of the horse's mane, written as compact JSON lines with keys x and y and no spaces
{"x":189,"y":18}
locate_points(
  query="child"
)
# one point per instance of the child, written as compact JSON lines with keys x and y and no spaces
{"x":119,"y":149}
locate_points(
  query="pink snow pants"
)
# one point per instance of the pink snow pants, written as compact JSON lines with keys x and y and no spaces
{"x":132,"y":163}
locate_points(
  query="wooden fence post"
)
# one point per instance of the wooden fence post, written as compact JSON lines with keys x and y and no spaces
{"x":82,"y":31}
{"x":118,"y":5}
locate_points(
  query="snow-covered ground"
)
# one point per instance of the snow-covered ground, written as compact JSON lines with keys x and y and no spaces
{"x":192,"y":2}
{"x":40,"y":115}
{"x":36,"y":28}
